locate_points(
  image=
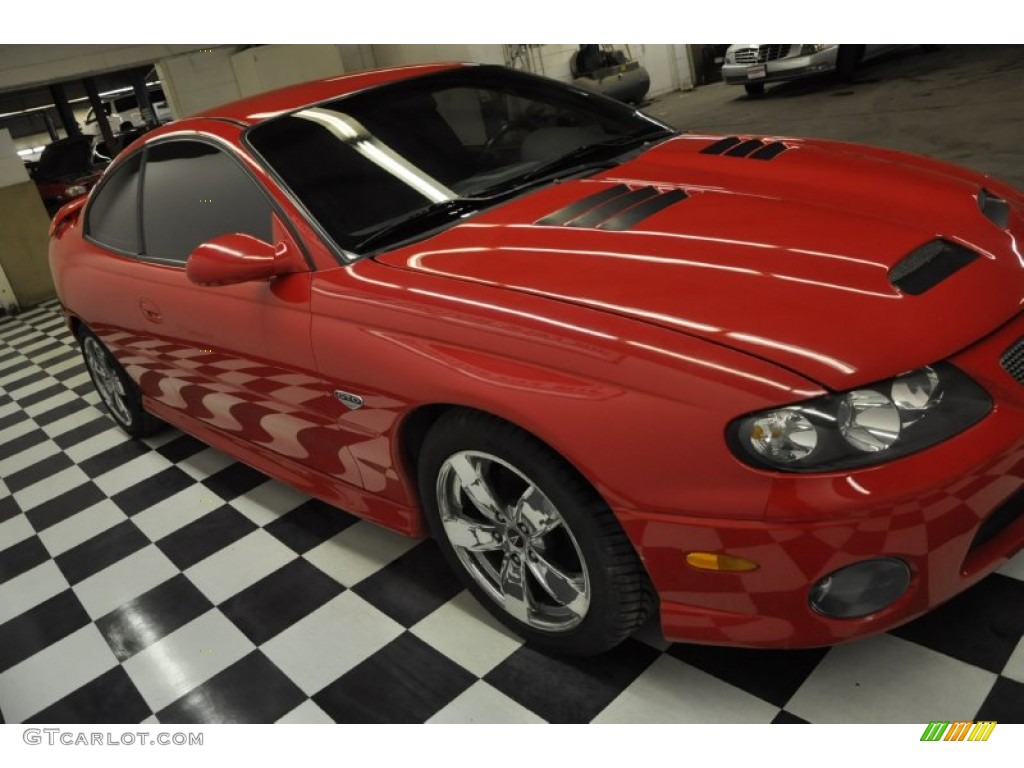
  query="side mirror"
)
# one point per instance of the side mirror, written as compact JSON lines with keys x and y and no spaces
{"x":231,"y":259}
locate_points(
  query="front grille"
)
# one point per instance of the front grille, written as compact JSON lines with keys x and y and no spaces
{"x":761,"y":54}
{"x":1005,"y":515}
{"x":1013,"y":360}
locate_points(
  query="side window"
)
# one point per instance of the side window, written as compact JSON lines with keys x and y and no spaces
{"x":114,"y":213}
{"x":194,"y":192}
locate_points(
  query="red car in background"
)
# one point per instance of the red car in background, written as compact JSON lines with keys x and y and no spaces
{"x":769,"y":388}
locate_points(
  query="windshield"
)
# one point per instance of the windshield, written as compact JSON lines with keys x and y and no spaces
{"x":377,"y":156}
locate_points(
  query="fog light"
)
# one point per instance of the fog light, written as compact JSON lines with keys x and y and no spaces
{"x":860,"y":589}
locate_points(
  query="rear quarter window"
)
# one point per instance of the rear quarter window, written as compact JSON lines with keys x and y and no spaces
{"x":113,"y":219}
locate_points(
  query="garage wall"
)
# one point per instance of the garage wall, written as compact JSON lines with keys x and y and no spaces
{"x":24,"y":269}
{"x":267,"y":67}
{"x":396,"y":55}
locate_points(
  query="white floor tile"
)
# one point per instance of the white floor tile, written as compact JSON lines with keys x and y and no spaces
{"x":76,"y":419}
{"x":267,"y":502}
{"x":239,"y":565}
{"x":28,"y":457}
{"x":81,"y":527}
{"x":50,"y":488}
{"x":186,"y":658}
{"x":481,"y":703}
{"x":77,"y":380}
{"x":359,"y":551}
{"x":670,"y":691}
{"x":205,"y":463}
{"x":63,"y":398}
{"x":310,"y":653}
{"x":462,"y":630}
{"x":306,"y":713}
{"x":124,"y":580}
{"x":1015,"y":567}
{"x":15,"y":530}
{"x":29,"y":589}
{"x":132,"y":472}
{"x":97,"y":444}
{"x":17,"y":430}
{"x":1014,"y":668}
{"x":176,"y":511}
{"x":54,"y":672}
{"x":888,"y":680}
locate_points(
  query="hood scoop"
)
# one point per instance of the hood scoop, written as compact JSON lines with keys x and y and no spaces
{"x":995,"y":209}
{"x":925,"y":267}
{"x":753,"y":149}
{"x":616,"y":208}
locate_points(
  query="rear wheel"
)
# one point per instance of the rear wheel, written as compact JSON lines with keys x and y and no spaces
{"x":529,"y":537}
{"x":754,"y":89}
{"x":119,"y":393}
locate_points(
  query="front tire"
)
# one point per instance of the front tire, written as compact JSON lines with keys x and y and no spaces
{"x":529,"y":537}
{"x":120,"y":395}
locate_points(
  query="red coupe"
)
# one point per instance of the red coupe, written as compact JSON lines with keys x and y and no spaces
{"x":769,"y":388}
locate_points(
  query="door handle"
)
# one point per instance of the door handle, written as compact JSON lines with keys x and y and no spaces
{"x":150,"y":311}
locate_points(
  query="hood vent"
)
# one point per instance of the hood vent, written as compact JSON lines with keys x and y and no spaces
{"x":755,"y":149}
{"x":924,"y":268}
{"x":615,"y":208}
{"x":1012,"y":360}
{"x":995,"y":209}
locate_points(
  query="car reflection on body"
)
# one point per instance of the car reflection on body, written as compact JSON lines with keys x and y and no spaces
{"x":614,"y":370}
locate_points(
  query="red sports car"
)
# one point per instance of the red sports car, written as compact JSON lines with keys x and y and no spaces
{"x":770,"y":388}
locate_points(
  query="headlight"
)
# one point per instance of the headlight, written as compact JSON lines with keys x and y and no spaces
{"x":865,"y":426}
{"x":807,"y":50}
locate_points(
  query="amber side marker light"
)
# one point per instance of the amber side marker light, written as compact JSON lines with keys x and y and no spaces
{"x":710,"y":561}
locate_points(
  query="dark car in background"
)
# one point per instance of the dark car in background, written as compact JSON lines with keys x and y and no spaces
{"x":68,"y":168}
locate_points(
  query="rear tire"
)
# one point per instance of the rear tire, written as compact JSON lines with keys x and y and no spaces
{"x":529,"y":537}
{"x":120,"y":395}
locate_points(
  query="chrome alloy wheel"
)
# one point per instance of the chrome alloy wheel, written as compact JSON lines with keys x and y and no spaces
{"x":107,"y":381}
{"x":512,"y":541}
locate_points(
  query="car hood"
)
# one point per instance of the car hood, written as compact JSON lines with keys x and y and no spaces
{"x":782,"y":249}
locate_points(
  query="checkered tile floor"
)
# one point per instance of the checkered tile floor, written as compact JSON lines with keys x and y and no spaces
{"x":162,"y":581}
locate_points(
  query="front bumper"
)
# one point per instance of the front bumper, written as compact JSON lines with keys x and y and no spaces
{"x":788,"y":68}
{"x":954,"y":513}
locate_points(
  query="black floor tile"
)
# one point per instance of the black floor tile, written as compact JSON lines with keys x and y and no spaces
{"x":151,"y":491}
{"x":11,"y":419}
{"x":181,"y":448}
{"x":570,"y":690}
{"x":40,"y":627}
{"x":788,"y":718}
{"x":41,"y":394}
{"x":114,"y":457}
{"x":23,"y":556}
{"x":234,"y":480}
{"x":977,"y":626}
{"x":309,"y":525}
{"x":22,"y":443}
{"x":69,"y":373}
{"x":279,"y":600}
{"x":201,"y":538}
{"x":772,"y":675}
{"x":39,"y":471}
{"x":152,"y":616}
{"x":1005,"y":702}
{"x":252,"y":690}
{"x":406,"y":682}
{"x":92,"y":556}
{"x":110,"y":698}
{"x":58,"y":413}
{"x":34,"y":376}
{"x":8,"y":508}
{"x":81,"y":433}
{"x":413,"y":586}
{"x":60,"y":508}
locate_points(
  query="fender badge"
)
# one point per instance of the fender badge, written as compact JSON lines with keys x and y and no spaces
{"x":350,"y":401}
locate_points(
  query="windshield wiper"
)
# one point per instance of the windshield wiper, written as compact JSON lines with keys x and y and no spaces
{"x":420,"y":220}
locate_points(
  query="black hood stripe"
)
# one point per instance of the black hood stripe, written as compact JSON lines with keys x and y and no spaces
{"x":581,"y":206}
{"x":720,"y":146}
{"x":755,"y":149}
{"x":633,"y":216}
{"x":615,"y":209}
